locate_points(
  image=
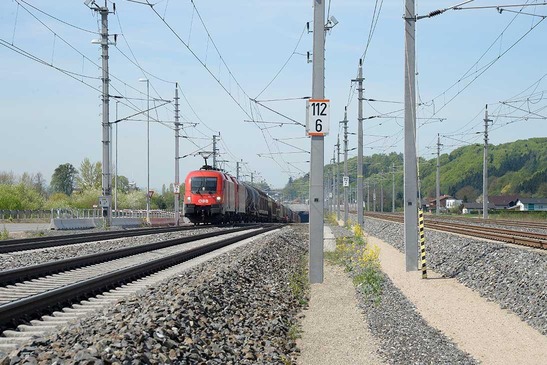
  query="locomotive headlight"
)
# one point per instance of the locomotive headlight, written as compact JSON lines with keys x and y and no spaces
{"x":189,"y":199}
{"x":219,"y":199}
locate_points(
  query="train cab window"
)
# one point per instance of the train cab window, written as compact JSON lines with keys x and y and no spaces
{"x":204,"y":184}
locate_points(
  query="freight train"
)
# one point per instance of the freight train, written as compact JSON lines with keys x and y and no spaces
{"x":213,"y":196}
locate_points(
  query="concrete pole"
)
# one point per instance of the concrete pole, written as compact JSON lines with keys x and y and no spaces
{"x":215,"y":151}
{"x":368,"y":196}
{"x":116,"y":164}
{"x":177,"y":137}
{"x":338,"y":177}
{"x":382,"y":194}
{"x":410,"y":165}
{"x":374,"y":195}
{"x":106,"y":172}
{"x":485,"y":167}
{"x":334,"y":199}
{"x":360,"y":213}
{"x":148,"y":151}
{"x":346,"y":207}
{"x":438,"y":188}
{"x":317,"y":149}
{"x":393,"y":188}
{"x":326,"y":183}
{"x":237,"y":170}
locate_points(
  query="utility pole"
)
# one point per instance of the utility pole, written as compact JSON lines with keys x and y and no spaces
{"x":346,"y":207}
{"x":252,"y":178}
{"x":106,"y":199}
{"x":317,"y":150}
{"x":338,"y":178}
{"x":381,"y":193}
{"x":485,"y":166}
{"x":116,"y":165}
{"x":334,"y":167}
{"x":177,"y":136}
{"x":360,"y":213}
{"x":410,"y":165}
{"x":393,"y":188}
{"x":215,"y":150}
{"x":326,"y":183}
{"x":374,"y":195}
{"x":237,"y":169}
{"x":438,"y":189}
{"x":368,"y":195}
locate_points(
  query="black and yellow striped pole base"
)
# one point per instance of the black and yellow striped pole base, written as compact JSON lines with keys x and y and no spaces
{"x":422,"y":243}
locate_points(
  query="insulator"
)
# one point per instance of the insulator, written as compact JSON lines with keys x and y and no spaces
{"x":436,"y":12}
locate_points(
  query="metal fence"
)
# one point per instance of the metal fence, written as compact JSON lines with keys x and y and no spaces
{"x":22,"y":215}
{"x":25,"y":214}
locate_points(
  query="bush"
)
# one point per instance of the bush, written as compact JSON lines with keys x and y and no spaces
{"x":361,"y":260}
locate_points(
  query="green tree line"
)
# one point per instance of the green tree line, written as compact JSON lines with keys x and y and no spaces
{"x":518,"y":167}
{"x":74,"y":188}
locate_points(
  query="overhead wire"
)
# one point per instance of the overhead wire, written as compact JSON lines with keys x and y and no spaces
{"x":284,"y":65}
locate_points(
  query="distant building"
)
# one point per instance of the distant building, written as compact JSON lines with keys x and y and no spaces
{"x":474,"y":208}
{"x":531,"y":204}
{"x":432,"y":204}
{"x":503,"y":201}
{"x":452,"y":203}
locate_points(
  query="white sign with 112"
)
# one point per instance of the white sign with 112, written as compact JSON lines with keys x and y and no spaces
{"x":318,"y":113}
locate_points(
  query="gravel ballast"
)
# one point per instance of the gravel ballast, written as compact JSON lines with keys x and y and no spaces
{"x":513,"y":277}
{"x":236,"y":308}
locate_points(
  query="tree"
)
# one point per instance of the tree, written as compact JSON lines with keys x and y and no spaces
{"x":8,"y":198}
{"x":123,"y":184}
{"x":63,"y":178}
{"x":90,"y":175}
{"x":57,"y":201}
{"x":7,"y":178}
{"x":86,"y":199}
{"x":36,"y":182}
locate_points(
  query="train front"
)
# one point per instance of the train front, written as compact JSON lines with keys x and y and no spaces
{"x":203,"y":196}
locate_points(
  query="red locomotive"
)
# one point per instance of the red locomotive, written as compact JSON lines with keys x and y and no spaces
{"x":213,"y":196}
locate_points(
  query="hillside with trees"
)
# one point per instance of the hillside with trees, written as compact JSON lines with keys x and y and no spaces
{"x":518,"y":167}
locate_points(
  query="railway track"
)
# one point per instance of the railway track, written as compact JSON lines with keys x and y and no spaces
{"x":23,"y":244}
{"x":530,"y":239}
{"x":26,"y":300}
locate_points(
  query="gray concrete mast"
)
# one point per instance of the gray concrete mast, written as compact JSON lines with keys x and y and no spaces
{"x":177,"y":137}
{"x":346,"y":207}
{"x":438,"y":184}
{"x":317,"y":149}
{"x":485,"y":167}
{"x":410,"y":159}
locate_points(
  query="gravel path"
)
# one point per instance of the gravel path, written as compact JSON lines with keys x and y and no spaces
{"x":345,"y":340}
{"x":402,"y":335}
{"x":513,"y":277}
{"x":482,"y":328}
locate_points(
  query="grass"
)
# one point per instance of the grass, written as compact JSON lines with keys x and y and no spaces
{"x":331,"y":219}
{"x":4,"y":235}
{"x":299,"y":283}
{"x":361,"y":260}
{"x":38,"y":234}
{"x":295,"y":332}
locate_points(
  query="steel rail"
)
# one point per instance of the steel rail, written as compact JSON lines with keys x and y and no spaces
{"x":15,"y":312}
{"x":493,"y":234}
{"x":536,"y":240}
{"x":29,"y":272}
{"x":24,"y":244}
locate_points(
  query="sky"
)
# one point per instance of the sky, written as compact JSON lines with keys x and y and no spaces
{"x":225,"y":55}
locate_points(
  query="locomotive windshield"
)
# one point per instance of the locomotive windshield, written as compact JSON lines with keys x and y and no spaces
{"x":204,"y":184}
